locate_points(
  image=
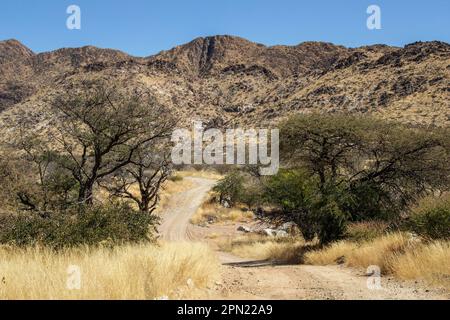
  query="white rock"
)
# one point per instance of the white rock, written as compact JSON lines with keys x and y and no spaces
{"x":281,"y":234}
{"x":287,"y":226}
{"x":269,"y":232}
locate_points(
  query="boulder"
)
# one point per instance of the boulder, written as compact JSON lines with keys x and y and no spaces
{"x":281,"y":234}
{"x":287,"y":226}
{"x":269,"y":232}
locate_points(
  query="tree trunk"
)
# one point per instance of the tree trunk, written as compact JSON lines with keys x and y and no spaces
{"x":85,"y":194}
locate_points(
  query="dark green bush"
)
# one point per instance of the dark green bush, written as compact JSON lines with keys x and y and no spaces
{"x":107,"y":225}
{"x":385,"y":165}
{"x":316,"y":211}
{"x":251,"y":195}
{"x":290,"y":190}
{"x":370,"y":201}
{"x":431,"y":218}
{"x":240,"y":187}
{"x":331,"y":221}
{"x":229,"y":189}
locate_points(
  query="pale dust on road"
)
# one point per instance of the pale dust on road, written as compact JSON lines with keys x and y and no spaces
{"x":255,"y":280}
{"x":181,"y":207}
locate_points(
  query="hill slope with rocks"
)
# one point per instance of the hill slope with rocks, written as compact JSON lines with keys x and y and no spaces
{"x":225,"y":80}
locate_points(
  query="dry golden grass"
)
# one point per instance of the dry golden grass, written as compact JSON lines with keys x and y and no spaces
{"x":430,"y":262}
{"x":395,"y":253}
{"x":285,"y":250}
{"x":379,"y":251}
{"x":366,"y":230}
{"x":331,"y":254}
{"x":128,"y":272}
{"x":211,"y":211}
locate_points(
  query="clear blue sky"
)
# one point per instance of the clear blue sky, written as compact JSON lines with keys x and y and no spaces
{"x":142,"y":27}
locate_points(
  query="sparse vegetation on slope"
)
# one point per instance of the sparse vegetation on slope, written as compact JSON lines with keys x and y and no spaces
{"x":242,"y":81}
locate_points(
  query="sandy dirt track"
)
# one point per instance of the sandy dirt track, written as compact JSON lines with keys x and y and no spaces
{"x":176,"y":215}
{"x":244,"y":279}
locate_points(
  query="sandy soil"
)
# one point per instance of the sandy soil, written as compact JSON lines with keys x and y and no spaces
{"x":246,"y":279}
{"x":181,"y":207}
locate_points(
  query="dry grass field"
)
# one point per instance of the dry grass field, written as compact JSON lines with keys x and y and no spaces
{"x":280,"y":250}
{"x":172,"y":270}
{"x":398,"y":254}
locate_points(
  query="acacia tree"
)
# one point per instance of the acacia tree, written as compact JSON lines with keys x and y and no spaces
{"x":380,"y":163}
{"x":147,"y":171}
{"x":360,"y":168}
{"x":40,"y":184}
{"x":100,"y":129}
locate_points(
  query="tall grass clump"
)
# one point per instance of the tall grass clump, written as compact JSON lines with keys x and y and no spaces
{"x":429,"y":262}
{"x":378,"y":252}
{"x":279,"y":250}
{"x":398,"y":254}
{"x":124,"y":272}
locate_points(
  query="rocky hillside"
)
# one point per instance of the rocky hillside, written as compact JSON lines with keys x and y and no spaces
{"x":225,"y":80}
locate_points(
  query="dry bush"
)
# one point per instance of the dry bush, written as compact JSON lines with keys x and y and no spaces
{"x":175,"y":178}
{"x":168,"y":189}
{"x":128,"y":272}
{"x":367,"y":230}
{"x":207,"y":174}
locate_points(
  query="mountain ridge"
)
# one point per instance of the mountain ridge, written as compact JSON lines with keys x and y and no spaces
{"x":222,"y":79}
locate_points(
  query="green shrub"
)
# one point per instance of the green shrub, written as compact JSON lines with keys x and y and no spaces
{"x":107,"y":225}
{"x":290,"y":190}
{"x":251,"y":195}
{"x":431,"y":218}
{"x":230,"y":188}
{"x":385,"y":165}
{"x":371,"y":202}
{"x":331,"y":220}
{"x":317,"y":212}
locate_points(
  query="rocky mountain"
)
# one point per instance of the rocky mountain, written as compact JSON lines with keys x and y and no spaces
{"x":225,"y":80}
